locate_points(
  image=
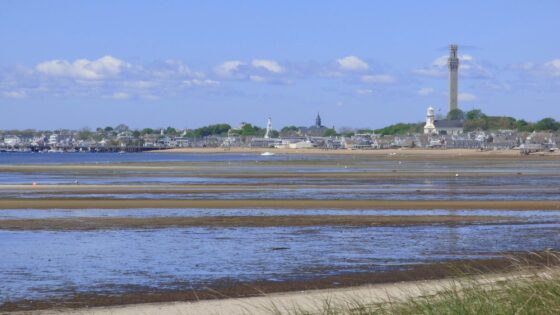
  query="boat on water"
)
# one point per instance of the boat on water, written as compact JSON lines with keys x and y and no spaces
{"x":267,"y":153}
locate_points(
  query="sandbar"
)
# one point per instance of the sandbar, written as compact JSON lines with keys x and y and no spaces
{"x":90,"y":203}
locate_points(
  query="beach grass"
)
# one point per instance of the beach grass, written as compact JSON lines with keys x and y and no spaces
{"x":525,"y":292}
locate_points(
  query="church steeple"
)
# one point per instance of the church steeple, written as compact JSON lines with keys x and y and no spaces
{"x":318,"y":121}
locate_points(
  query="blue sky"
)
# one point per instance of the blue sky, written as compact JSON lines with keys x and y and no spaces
{"x":72,"y":64}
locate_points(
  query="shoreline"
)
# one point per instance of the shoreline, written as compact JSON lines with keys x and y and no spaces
{"x":374,"y":152}
{"x":223,"y":294}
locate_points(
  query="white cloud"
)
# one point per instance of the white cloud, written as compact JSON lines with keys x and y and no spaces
{"x":257,"y":78}
{"x":82,"y":68}
{"x":121,"y":96}
{"x":378,"y":78}
{"x":468,"y":67}
{"x":269,"y":65}
{"x":198,"y":82}
{"x":466,"y":97}
{"x":169,"y":68}
{"x":544,"y":70}
{"x":140,"y":84}
{"x":228,"y":68}
{"x":425,"y":91}
{"x":15,"y":94}
{"x":430,"y":72}
{"x":364,"y":91}
{"x":553,"y":67}
{"x":352,"y":63}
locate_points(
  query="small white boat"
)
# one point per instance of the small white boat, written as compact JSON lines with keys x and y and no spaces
{"x":267,"y":153}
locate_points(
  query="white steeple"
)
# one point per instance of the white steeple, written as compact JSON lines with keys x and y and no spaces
{"x":268,"y":128}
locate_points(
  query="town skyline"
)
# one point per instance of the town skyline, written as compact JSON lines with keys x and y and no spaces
{"x":182,"y":70}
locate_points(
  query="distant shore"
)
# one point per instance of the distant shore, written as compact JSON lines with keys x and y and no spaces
{"x":420,"y":152}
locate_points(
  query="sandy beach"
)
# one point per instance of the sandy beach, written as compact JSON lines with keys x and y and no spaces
{"x":308,"y":301}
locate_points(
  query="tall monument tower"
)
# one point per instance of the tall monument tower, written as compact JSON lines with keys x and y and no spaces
{"x":453,"y":65}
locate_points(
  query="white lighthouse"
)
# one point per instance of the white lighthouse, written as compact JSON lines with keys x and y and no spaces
{"x":430,"y":127}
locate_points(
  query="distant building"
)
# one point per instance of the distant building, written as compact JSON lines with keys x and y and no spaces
{"x":268,"y":128}
{"x":12,"y":140}
{"x":318,"y":121}
{"x":443,"y":126}
{"x":446,"y":126}
{"x":53,"y":140}
{"x":449,"y":127}
{"x":430,"y":127}
{"x":317,"y":130}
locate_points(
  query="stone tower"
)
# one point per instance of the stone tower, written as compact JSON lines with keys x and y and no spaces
{"x":453,"y":65}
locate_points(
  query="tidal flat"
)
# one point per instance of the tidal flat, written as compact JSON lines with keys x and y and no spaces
{"x":170,"y":224}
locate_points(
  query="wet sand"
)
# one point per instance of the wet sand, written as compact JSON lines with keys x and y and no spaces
{"x":88,"y":223}
{"x":77,"y":203}
{"x":226,"y":293}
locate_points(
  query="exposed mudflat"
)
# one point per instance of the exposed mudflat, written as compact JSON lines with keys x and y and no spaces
{"x":85,"y":223}
{"x":278,"y":204}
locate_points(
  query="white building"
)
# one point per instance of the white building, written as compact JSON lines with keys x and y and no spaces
{"x":430,"y":127}
{"x":53,"y":140}
{"x":443,"y":126}
{"x":12,"y":140}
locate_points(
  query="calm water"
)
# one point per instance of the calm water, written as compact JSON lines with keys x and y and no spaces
{"x":43,"y":264}
{"x":88,"y":158}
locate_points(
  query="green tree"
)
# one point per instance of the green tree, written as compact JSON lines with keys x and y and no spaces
{"x":147,"y":131}
{"x":289,"y":128}
{"x":170,"y":131}
{"x":330,"y":132}
{"x":84,"y":134}
{"x":522,"y":125}
{"x":546,"y":124}
{"x":218,"y":129}
{"x":400,"y":129}
{"x":474,"y":114}
{"x":249,"y":130}
{"x":456,"y":114}
{"x":121,"y":128}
